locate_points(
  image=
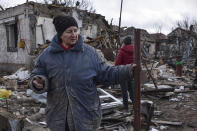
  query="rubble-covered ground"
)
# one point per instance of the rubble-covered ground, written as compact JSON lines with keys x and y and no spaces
{"x":174,"y":100}
{"x":180,"y":108}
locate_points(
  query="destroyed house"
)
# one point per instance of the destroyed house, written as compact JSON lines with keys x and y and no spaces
{"x":148,"y":44}
{"x":24,"y":28}
{"x":180,"y":42}
{"x":147,"y":41}
{"x":160,"y":44}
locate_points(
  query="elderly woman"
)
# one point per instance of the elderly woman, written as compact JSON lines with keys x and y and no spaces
{"x":68,"y":70}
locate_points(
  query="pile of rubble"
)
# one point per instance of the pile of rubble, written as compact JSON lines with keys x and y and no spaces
{"x":162,"y":92}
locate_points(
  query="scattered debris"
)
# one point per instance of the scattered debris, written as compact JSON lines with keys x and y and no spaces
{"x":21,"y":74}
{"x":168,"y":123}
{"x":30,"y":107}
{"x":168,"y":101}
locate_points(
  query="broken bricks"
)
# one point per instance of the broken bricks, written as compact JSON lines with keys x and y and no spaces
{"x":9,"y":122}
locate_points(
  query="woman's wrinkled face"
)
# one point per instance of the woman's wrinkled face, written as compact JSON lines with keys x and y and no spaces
{"x":70,"y":36}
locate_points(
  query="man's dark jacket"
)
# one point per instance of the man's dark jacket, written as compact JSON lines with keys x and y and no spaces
{"x":125,"y":55}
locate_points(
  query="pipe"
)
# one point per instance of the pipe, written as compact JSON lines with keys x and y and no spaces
{"x":137,"y":81}
{"x":119,"y":28}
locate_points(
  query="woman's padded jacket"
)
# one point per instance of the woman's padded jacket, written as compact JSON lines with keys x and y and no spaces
{"x":74,"y":73}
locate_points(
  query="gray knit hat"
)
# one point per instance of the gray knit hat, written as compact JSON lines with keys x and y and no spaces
{"x":61,"y":23}
{"x":127,"y":40}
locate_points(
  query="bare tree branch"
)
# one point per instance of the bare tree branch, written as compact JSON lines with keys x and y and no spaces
{"x":187,"y":24}
{"x":80,"y":4}
{"x":158,"y":28}
{"x":3,"y":4}
{"x":1,"y":7}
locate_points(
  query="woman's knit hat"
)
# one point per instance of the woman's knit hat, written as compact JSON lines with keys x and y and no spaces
{"x":61,"y":23}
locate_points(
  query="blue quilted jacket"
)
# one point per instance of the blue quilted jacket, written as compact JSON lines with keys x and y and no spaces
{"x":71,"y":75}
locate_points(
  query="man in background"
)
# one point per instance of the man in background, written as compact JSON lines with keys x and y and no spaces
{"x":126,"y":56}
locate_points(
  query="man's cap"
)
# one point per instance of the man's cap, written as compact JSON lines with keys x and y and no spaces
{"x":127,"y":40}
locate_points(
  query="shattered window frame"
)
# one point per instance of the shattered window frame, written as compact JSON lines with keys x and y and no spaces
{"x":12,"y":36}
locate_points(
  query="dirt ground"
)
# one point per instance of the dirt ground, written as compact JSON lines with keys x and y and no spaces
{"x":181,"y":107}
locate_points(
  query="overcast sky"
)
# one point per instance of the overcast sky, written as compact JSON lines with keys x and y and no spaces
{"x":145,"y":14}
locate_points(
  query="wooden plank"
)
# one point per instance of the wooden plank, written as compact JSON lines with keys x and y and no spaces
{"x":167,"y":122}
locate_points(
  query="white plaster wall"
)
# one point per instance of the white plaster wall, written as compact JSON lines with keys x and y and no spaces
{"x":48,"y":28}
{"x":76,"y":16}
{"x":25,"y":35}
{"x":152,"y":49}
{"x":90,"y":31}
{"x":3,"y":42}
{"x":18,"y":57}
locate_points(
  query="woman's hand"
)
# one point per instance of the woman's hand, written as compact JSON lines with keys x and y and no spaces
{"x":133,"y":66}
{"x":38,"y":82}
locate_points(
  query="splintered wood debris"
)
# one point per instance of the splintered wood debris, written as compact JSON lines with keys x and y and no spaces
{"x":173,"y":93}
